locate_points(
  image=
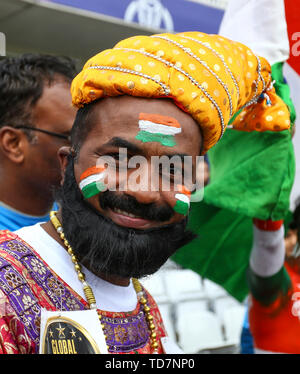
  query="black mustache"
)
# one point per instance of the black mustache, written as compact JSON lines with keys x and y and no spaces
{"x":151,"y":212}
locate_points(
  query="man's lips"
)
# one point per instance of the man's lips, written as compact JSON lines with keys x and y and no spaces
{"x":127,"y":219}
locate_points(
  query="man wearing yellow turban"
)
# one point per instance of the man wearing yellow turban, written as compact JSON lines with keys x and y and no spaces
{"x":148,"y":97}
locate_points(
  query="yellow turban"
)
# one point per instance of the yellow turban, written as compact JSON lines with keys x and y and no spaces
{"x":208,"y":76}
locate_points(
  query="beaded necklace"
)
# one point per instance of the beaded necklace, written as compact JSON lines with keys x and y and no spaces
{"x":89,"y":294}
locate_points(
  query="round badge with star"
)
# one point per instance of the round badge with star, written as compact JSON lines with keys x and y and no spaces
{"x":64,"y":336}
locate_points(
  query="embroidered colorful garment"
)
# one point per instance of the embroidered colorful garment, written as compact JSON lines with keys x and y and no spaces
{"x":27,"y":284}
{"x":274,"y":323}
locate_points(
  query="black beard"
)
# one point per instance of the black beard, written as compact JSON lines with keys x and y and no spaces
{"x":108,"y":249}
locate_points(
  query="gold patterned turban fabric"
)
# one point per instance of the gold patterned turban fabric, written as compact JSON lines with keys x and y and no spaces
{"x":208,"y":76}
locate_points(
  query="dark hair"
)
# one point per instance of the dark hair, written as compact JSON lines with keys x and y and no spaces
{"x":22,"y":80}
{"x":82,"y":126}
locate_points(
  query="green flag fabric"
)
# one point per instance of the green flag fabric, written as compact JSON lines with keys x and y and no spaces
{"x":251,"y":176}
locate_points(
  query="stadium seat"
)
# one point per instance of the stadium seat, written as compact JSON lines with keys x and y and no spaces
{"x":197,"y":329}
{"x":166,"y":311}
{"x":155,"y":284}
{"x":221,"y":304}
{"x":183,"y":285}
{"x":197,"y":313}
{"x":213,"y":290}
{"x":233,"y":318}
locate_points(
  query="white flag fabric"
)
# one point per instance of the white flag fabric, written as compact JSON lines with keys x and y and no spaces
{"x":259,"y":24}
{"x":292,"y":74}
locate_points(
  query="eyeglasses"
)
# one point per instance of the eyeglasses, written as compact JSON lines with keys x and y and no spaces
{"x":51,"y":133}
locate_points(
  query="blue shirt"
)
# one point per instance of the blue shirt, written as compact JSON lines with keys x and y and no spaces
{"x":246,"y":342}
{"x":13,"y":220}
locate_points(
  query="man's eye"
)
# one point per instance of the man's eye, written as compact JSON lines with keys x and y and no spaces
{"x":118,"y":156}
{"x":171,"y":170}
{"x":175,"y":170}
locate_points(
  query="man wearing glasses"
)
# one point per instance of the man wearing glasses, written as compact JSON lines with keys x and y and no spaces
{"x":36,"y":117}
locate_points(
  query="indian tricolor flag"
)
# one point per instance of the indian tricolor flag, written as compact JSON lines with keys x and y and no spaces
{"x":92,"y":181}
{"x":158,"y":128}
{"x":242,"y":184}
{"x":183,"y":198}
{"x":271,"y":28}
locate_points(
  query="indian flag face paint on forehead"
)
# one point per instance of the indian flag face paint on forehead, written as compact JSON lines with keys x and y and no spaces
{"x":158,"y":128}
{"x":91,"y":181}
{"x":183,"y":198}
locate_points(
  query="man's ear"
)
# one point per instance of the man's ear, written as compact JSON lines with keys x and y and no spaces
{"x":13,"y":143}
{"x":63,"y":154}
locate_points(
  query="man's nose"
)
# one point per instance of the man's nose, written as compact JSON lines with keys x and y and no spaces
{"x":140,"y":186}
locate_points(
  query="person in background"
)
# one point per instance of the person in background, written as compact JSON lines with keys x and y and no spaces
{"x":36,"y":117}
{"x":274,"y":282}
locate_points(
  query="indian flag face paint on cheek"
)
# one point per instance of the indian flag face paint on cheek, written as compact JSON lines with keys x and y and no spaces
{"x":91,"y":181}
{"x":183,"y":198}
{"x":157,"y":128}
